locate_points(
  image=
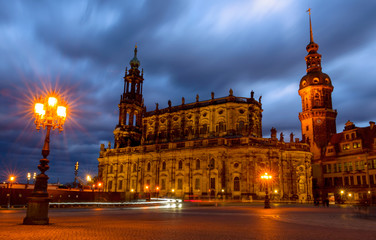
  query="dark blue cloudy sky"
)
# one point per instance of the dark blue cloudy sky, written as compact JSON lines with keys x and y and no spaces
{"x":186,"y":48}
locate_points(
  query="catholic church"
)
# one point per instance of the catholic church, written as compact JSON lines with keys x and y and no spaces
{"x":214,"y":148}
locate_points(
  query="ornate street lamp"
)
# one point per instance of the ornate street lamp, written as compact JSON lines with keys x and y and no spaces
{"x":49,"y":115}
{"x":266,"y":178}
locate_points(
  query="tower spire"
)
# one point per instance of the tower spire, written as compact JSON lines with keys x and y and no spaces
{"x":310,"y":25}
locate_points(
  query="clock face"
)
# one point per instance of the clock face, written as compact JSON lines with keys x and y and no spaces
{"x":319,"y":121}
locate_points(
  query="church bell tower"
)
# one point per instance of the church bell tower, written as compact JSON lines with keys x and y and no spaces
{"x":131,"y":107}
{"x":318,"y":119}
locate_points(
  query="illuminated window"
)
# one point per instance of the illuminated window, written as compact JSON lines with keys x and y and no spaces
{"x":350,"y":166}
{"x":346,"y":146}
{"x":356,"y":145}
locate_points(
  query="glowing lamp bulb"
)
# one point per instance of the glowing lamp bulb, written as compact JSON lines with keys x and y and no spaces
{"x":39,"y":109}
{"x":52,"y":101}
{"x":61,"y":111}
{"x":11,"y":178}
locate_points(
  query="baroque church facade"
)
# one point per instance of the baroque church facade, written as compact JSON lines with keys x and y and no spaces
{"x":206,"y":149}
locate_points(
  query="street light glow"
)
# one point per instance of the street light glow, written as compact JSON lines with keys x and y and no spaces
{"x":12,"y":178}
{"x":61,"y":111}
{"x":88,"y":178}
{"x":52,"y":101}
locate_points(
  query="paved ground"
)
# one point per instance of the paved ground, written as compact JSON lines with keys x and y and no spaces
{"x":222,"y":222}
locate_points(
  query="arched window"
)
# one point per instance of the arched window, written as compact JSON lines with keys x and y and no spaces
{"x":111,"y":169}
{"x":211,"y":164}
{"x":180,"y":165}
{"x":148,"y":166}
{"x":236,"y":184}
{"x":134,"y":167}
{"x":121,"y":168}
{"x":164,"y":166}
{"x":198,"y":164}
{"x":241,"y":126}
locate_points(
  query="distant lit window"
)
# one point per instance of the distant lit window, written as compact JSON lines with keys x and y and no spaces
{"x":350,"y":166}
{"x":356,"y":145}
{"x":346,"y":146}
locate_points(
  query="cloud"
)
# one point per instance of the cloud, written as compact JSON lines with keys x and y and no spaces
{"x":186,"y":48}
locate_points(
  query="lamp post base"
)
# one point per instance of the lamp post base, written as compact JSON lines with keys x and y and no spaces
{"x":37,"y":211}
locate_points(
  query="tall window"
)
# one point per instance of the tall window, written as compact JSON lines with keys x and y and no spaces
{"x":236,"y":184}
{"x":109,"y":186}
{"x":180,"y":183}
{"x":164,"y":165}
{"x":212,"y":183}
{"x":197,"y":184}
{"x":120,"y":184}
{"x":148,"y":166}
{"x":111,"y":169}
{"x":163,"y":184}
{"x":134,"y":167}
{"x":241,"y":126}
{"x":211,"y":164}
{"x":180,"y":165}
{"x":197,"y":164}
{"x":121,"y":168}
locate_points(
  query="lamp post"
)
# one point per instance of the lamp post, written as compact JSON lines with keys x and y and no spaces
{"x":28,"y":177}
{"x":342,"y":192}
{"x":48,"y":115}
{"x":266,"y":178}
{"x":75,"y":174}
{"x":11,"y":180}
{"x":34,"y":176}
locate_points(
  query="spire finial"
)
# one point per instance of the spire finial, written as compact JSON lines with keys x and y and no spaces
{"x":135,"y":51}
{"x":310,"y":25}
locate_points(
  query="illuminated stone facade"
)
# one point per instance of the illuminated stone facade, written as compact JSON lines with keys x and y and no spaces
{"x":206,"y":149}
{"x":344,"y":164}
{"x":349,"y":164}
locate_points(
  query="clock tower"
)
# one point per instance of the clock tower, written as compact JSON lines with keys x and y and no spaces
{"x":318,"y":119}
